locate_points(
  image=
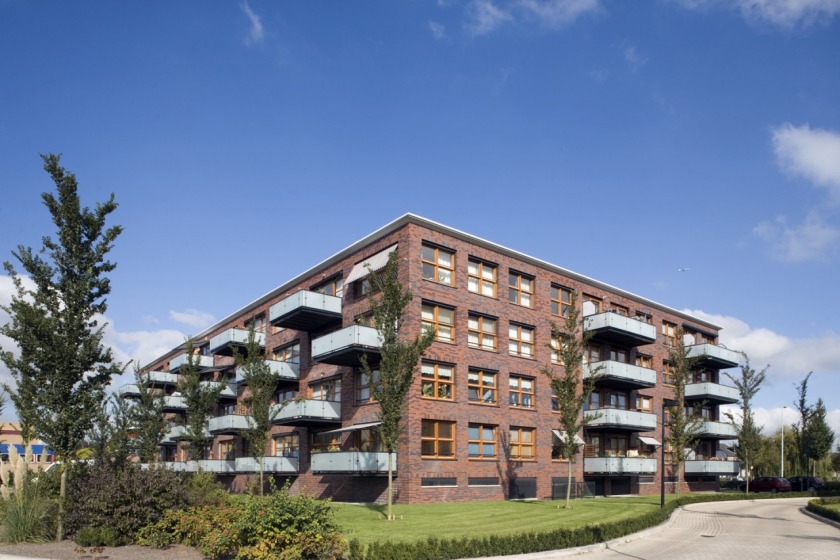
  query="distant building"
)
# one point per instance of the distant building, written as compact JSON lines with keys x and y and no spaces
{"x":480,"y":419}
{"x":10,"y":435}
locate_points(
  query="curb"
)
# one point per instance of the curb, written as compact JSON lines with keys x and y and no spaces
{"x":819,"y":517}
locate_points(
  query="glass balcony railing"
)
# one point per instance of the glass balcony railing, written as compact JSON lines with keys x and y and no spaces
{"x":619,"y":465}
{"x":623,"y":419}
{"x":713,"y":392}
{"x":345,"y":346}
{"x":224,"y":342}
{"x":619,"y":329}
{"x":357,"y":462}
{"x":288,"y":371}
{"x":306,"y":311}
{"x":202,"y":363}
{"x":730,"y":468}
{"x":271,"y":464}
{"x":621,"y":374}
{"x":713,"y":356}
{"x":229,"y":423}
{"x":303,"y":412}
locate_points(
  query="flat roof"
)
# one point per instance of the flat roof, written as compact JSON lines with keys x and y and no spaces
{"x":410,"y":218}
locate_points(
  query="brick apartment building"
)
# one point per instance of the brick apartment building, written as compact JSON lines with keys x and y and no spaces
{"x":479,"y":421}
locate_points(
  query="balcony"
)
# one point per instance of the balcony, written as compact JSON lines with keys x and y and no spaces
{"x":228,"y":392}
{"x":287,"y":371}
{"x":713,"y":356}
{"x":219,"y":466}
{"x":202,"y":362}
{"x":717,"y":430}
{"x":307,"y":412}
{"x":712,"y":392}
{"x":227,"y":424}
{"x":306,"y":311}
{"x":174,"y":434}
{"x":161,"y":378}
{"x":619,"y":465}
{"x":174,"y":404}
{"x":344,"y":347}
{"x":129,"y":391}
{"x":619,"y":419}
{"x":352,"y":462}
{"x":729,"y":468}
{"x":620,"y":375}
{"x":224,"y":342}
{"x":619,"y":329}
{"x":270,"y":465}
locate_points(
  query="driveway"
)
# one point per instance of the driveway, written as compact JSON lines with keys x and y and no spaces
{"x":742,"y":530}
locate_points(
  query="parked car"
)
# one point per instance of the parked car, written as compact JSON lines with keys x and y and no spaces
{"x":768,"y":484}
{"x":803,"y":483}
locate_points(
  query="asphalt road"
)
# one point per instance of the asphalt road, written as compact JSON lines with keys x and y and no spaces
{"x":742,"y":530}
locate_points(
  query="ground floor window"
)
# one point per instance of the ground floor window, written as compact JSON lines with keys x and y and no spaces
{"x":437,"y":439}
{"x":287,"y":445}
{"x":522,"y":444}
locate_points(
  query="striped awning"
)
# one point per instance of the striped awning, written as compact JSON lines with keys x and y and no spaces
{"x":370,"y":264}
{"x":37,"y":449}
{"x":353,"y":428}
{"x":563,"y":437}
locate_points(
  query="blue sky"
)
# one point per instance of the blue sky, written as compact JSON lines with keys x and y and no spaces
{"x":248,"y":141}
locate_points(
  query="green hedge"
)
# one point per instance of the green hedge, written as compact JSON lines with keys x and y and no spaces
{"x":475,"y":547}
{"x":818,"y":507}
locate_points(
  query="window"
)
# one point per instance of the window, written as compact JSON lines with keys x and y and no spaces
{"x":561,"y":301}
{"x":482,"y":278}
{"x":669,"y":453}
{"x":363,"y":393}
{"x":325,"y":441}
{"x":285,"y":395}
{"x":436,"y":381}
{"x":368,"y":440}
{"x":618,"y":400}
{"x":482,"y":441}
{"x":594,"y":402}
{"x":437,"y":439}
{"x":591,"y":354}
{"x":481,"y":386}
{"x":481,"y":332}
{"x":257,"y":322}
{"x":521,"y":291}
{"x":332,"y":287}
{"x":522,"y":444}
{"x":616,"y":446}
{"x":290,"y":354}
{"x":619,"y":355}
{"x":521,"y":391}
{"x":521,"y":341}
{"x":558,"y":448}
{"x":644,"y":317}
{"x":669,"y":332}
{"x":370,"y":283}
{"x":619,"y":310}
{"x":329,"y":390}
{"x":644,"y":403}
{"x":227,"y":450}
{"x":365,"y":320}
{"x":591,"y":305}
{"x":287,"y":445}
{"x":556,"y":354}
{"x":644,"y":361}
{"x":439,"y":482}
{"x":441,"y":319}
{"x":668,"y":373}
{"x":438,"y":264}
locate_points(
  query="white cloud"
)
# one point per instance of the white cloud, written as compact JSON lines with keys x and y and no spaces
{"x":559,"y":13}
{"x":812,"y":240}
{"x":781,"y":13}
{"x":634,"y":60}
{"x":810,"y":153}
{"x":256,"y":33}
{"x":192,"y":317}
{"x":484,"y":17}
{"x":438,"y":30}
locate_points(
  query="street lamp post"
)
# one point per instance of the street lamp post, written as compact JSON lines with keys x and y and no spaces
{"x":782,"y":457}
{"x":665,"y":403}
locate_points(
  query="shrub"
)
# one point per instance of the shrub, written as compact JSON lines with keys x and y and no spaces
{"x":819,"y":507}
{"x":28,"y":517}
{"x":97,"y":536}
{"x":203,"y":489}
{"x":210,"y":529}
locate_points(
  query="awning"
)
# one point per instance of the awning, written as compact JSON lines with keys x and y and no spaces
{"x":37,"y":449}
{"x":353,"y":428}
{"x":370,"y":264}
{"x":562,"y":437}
{"x":649,"y":441}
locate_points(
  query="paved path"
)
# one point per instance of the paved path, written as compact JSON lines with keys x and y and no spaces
{"x":741,"y":530}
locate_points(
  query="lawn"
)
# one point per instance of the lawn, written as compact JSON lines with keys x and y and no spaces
{"x":417,"y":522}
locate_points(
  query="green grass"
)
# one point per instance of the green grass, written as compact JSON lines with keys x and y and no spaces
{"x":833,"y":507}
{"x":418,"y":521}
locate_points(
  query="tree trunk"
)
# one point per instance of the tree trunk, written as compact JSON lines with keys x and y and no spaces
{"x":390,"y":487}
{"x":262,"y":469}
{"x":569,"y":486}
{"x":62,"y":496}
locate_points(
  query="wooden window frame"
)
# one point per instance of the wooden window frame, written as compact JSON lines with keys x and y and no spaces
{"x":517,"y":293}
{"x":517,"y":345}
{"x":436,"y":439}
{"x":437,"y":268}
{"x":333,"y":386}
{"x":282,"y":448}
{"x":517,"y":443}
{"x":480,"y":333}
{"x":361,"y":384}
{"x":286,"y":353}
{"x":481,"y":442}
{"x":561,"y":300}
{"x":521,"y":394}
{"x":435,"y":322}
{"x":331,"y":287}
{"x":432,"y":385}
{"x":477,"y":280}
{"x":481,"y":388}
{"x":669,"y":334}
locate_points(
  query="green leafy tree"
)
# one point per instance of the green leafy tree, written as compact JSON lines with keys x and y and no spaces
{"x":749,"y":435}
{"x":62,"y":369}
{"x":148,"y":422}
{"x":819,"y":437}
{"x":684,"y":425}
{"x":109,"y":439}
{"x":800,"y":430}
{"x":399,"y":359}
{"x":261,"y":383}
{"x":570,"y":387}
{"x":200,"y":399}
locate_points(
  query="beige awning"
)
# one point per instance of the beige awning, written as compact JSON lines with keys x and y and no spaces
{"x":353,"y":428}
{"x":370,"y":264}
{"x":562,"y":437}
{"x":649,"y":441}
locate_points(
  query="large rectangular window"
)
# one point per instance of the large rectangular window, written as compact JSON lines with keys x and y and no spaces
{"x":521,"y":391}
{"x":482,"y":278}
{"x":441,"y":319}
{"x":438,"y":264}
{"x":363,"y":383}
{"x":668,"y":372}
{"x":482,"y":441}
{"x":521,"y":340}
{"x":437,"y":439}
{"x":332,"y":287}
{"x":521,"y":289}
{"x":522,"y":444}
{"x":482,"y":386}
{"x":289,"y":353}
{"x":481,"y":332}
{"x":561,"y":301}
{"x":436,"y":381}
{"x":286,"y":445}
{"x":669,"y":334}
{"x":329,"y":390}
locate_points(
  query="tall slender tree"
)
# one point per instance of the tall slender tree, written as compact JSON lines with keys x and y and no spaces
{"x":800,"y":430}
{"x":147,"y":418}
{"x":200,"y":399}
{"x":62,"y":369}
{"x":571,"y":387}
{"x":261,"y":385}
{"x":820,"y":437}
{"x":749,"y":435}
{"x":684,"y":425}
{"x":399,"y":359}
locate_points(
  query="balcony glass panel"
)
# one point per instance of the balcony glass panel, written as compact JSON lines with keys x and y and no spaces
{"x":713,"y":355}
{"x":229,"y":422}
{"x":645,"y":421}
{"x":286,"y":370}
{"x":270,"y":464}
{"x":236,"y":337}
{"x":712,"y":467}
{"x":203,"y":362}
{"x":308,"y":408}
{"x":712,"y":391}
{"x":631,"y":374}
{"x":718,"y":429}
{"x":353,"y":462}
{"x":620,"y":328}
{"x":619,"y":465}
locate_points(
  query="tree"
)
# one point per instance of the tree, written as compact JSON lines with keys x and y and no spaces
{"x":806,"y":412}
{"x":684,"y":426}
{"x":749,"y":435}
{"x":398,"y":359}
{"x":62,"y":369}
{"x":820,"y":437}
{"x":148,"y":422}
{"x":109,"y":439}
{"x":261,"y":383}
{"x":571,"y":389}
{"x":200,"y":399}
